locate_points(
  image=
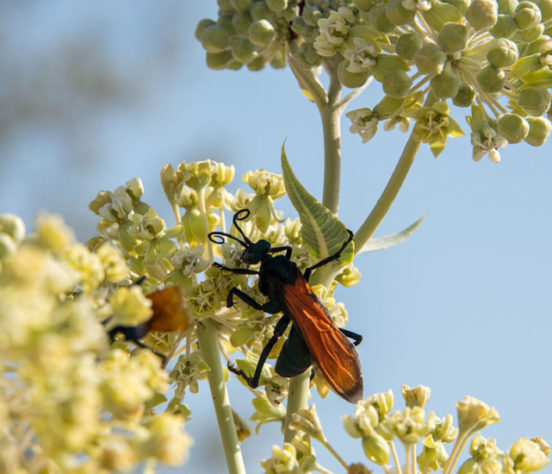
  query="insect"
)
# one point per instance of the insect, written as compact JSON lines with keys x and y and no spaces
{"x":313,"y":336}
{"x":168,"y":314}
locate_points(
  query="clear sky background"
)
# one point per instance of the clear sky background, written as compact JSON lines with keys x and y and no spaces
{"x":95,"y":93}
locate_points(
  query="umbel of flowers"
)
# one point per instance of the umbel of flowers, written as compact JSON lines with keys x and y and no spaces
{"x":492,"y":57}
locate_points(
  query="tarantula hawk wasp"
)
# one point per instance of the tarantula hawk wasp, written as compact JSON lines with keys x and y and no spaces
{"x":314,"y":337}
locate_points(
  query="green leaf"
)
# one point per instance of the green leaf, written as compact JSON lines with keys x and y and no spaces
{"x":321,"y":229}
{"x":387,"y":241}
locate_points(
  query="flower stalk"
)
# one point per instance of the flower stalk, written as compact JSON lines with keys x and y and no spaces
{"x":207,"y":335}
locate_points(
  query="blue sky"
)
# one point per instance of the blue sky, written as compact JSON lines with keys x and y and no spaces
{"x":463,"y":306}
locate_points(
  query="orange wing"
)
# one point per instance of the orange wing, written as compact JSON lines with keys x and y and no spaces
{"x":169,"y":313}
{"x":336,"y":357}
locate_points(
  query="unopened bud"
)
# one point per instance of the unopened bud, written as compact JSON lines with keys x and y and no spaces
{"x":218,"y":60}
{"x":397,"y":14}
{"x":531,"y":34}
{"x":396,"y":83}
{"x":482,"y":14}
{"x":351,"y":79}
{"x":277,"y":5}
{"x":386,"y":63}
{"x":513,"y":127}
{"x":240,"y":5}
{"x":445,"y":84}
{"x":453,"y":37}
{"x":527,"y":15}
{"x":464,"y":96}
{"x":241,"y":22}
{"x":539,"y":130}
{"x":407,"y":45}
{"x":528,"y":456}
{"x":505,"y":27}
{"x":491,"y":79}
{"x":378,"y":18}
{"x":534,"y":100}
{"x":201,"y":26}
{"x":13,"y":226}
{"x":261,"y":32}
{"x":503,"y":53}
{"x":243,"y":50}
{"x":430,"y":59}
{"x":215,"y":39}
{"x":376,"y":449}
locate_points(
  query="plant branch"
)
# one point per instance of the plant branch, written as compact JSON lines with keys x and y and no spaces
{"x":207,"y":337}
{"x":298,"y":395}
{"x":392,"y":188}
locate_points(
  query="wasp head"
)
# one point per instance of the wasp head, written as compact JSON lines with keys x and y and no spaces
{"x":255,"y":252}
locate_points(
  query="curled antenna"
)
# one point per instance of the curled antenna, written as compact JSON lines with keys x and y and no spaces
{"x":218,"y":237}
{"x":241,"y":215}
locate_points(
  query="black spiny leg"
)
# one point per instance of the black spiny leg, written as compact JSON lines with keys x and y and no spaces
{"x":253,"y":382}
{"x":357,"y":338}
{"x":285,"y":248}
{"x":242,"y":296}
{"x":329,"y":259}
{"x":239,"y":271}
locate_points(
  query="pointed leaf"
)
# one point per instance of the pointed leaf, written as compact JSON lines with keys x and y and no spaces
{"x":387,"y":241}
{"x":321,"y":229}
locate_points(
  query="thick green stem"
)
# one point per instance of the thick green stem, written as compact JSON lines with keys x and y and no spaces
{"x":298,"y":395}
{"x":392,"y":188}
{"x":208,"y":344}
{"x":331,"y":126}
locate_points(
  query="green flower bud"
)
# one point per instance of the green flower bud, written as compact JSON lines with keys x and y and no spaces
{"x":376,"y":449}
{"x":278,"y":60}
{"x":241,"y":23}
{"x":387,"y":107}
{"x":396,"y":83}
{"x":528,"y":456}
{"x":460,"y":5}
{"x":378,"y":18}
{"x":407,"y":45}
{"x":531,"y":34}
{"x":240,"y":5}
{"x":503,"y":53}
{"x":539,"y":131}
{"x":507,"y":6}
{"x":311,"y":15}
{"x":440,"y":14}
{"x":257,"y":64}
{"x":482,"y":14}
{"x":491,"y":79}
{"x":453,"y":37}
{"x":397,"y":14}
{"x":261,"y":32}
{"x":527,"y":15}
{"x":277,"y":5}
{"x":505,"y":27}
{"x":225,"y":22}
{"x":545,"y":8}
{"x":260,"y":11}
{"x":7,"y":246}
{"x":430,"y":59}
{"x":243,"y":50}
{"x":386,"y":63}
{"x":308,"y":33}
{"x":350,"y":79}
{"x":513,"y":127}
{"x":215,"y":39}
{"x":201,"y":26}
{"x":534,"y":100}
{"x":464,"y":97}
{"x":445,"y":84}
{"x":13,"y":226}
{"x":225,"y":6}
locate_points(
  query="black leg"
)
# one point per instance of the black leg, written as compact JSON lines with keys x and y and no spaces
{"x":240,"y":271}
{"x":242,"y":296}
{"x":329,"y":259}
{"x":285,"y":248}
{"x":357,"y":338}
{"x":253,"y":382}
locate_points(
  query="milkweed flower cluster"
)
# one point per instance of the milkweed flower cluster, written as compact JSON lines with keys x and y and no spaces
{"x":492,"y":56}
{"x":68,"y":402}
